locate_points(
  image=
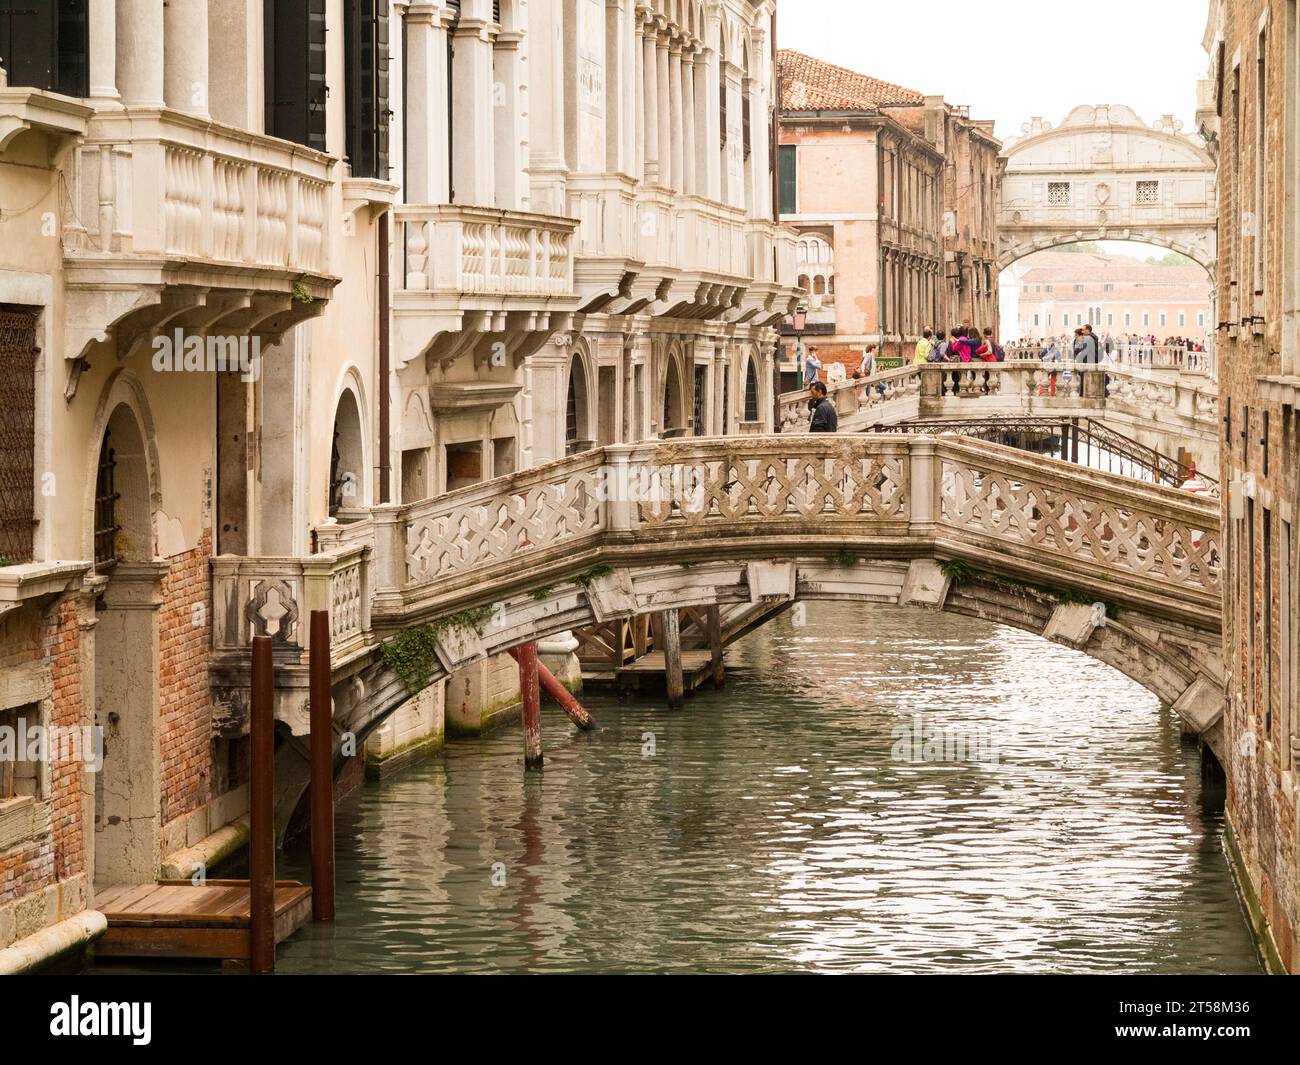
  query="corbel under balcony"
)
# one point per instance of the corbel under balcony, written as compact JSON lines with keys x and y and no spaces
{"x":359,"y":192}
{"x":23,"y":109}
{"x":30,"y":582}
{"x":105,"y":301}
{"x":471,"y":397}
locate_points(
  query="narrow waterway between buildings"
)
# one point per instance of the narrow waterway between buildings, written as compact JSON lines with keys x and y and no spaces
{"x":875,"y":790}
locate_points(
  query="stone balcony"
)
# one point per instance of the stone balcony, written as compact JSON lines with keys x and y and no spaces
{"x":180,"y":221}
{"x":471,"y":272}
{"x":647,"y":249}
{"x":275,"y":597}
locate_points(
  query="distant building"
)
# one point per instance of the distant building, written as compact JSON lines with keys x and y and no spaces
{"x":894,"y":194}
{"x":1057,"y":292}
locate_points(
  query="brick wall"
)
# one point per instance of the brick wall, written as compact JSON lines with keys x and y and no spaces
{"x":184,"y":696}
{"x":53,"y":638}
{"x":1262,"y":664}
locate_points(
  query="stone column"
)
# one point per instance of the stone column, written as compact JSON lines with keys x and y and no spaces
{"x":676,"y":122}
{"x":139,"y":52}
{"x":688,"y":123}
{"x":185,"y":55}
{"x":665,"y":114}
{"x":709,"y":131}
{"x":425,"y":100}
{"x":507,"y":111}
{"x":649,"y":81}
{"x":103,"y":50}
{"x":472,"y":111}
{"x":638,"y":62}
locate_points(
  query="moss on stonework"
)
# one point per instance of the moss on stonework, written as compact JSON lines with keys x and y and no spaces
{"x":541,"y":593}
{"x":585,"y":580}
{"x":954,"y":569}
{"x":412,"y":654}
{"x":843,"y":558}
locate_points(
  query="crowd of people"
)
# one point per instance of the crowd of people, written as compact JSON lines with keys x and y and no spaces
{"x":966,"y":343}
{"x":1124,"y":346}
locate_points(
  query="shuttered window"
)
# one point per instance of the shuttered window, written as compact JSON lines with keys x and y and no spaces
{"x":366,"y":46}
{"x":44,"y":45}
{"x":294,"y":49}
{"x":788,"y":180}
{"x":18,"y":353}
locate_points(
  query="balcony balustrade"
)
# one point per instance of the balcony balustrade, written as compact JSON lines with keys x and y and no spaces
{"x":235,"y":226}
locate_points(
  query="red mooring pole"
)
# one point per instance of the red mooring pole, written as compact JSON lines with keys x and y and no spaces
{"x":551,"y":685}
{"x":261,"y":811}
{"x":532,"y":704}
{"x":322,"y":770}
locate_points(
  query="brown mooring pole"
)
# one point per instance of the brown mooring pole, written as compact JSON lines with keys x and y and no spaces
{"x":551,"y":685}
{"x":673,"y":659}
{"x":713,"y":617}
{"x":261,"y":811}
{"x":531,"y":699}
{"x":322,"y":770}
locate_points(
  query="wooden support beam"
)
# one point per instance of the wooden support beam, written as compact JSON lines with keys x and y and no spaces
{"x":713,"y":623}
{"x":550,"y":684}
{"x":672,"y":642}
{"x":322,"y":769}
{"x":261,"y":810}
{"x":530,"y":696}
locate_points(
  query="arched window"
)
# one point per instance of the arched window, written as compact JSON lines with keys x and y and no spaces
{"x":576,"y":434}
{"x":751,"y":391}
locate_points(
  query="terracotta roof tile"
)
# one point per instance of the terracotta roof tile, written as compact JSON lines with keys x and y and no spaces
{"x":809,"y":84}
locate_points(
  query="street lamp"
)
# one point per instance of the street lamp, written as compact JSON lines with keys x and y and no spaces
{"x":800,"y":323}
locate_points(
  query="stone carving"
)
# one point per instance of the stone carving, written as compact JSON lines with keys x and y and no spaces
{"x":272,"y":610}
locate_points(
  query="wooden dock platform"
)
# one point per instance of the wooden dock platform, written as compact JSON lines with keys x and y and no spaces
{"x":648,"y":672}
{"x":179,"y":919}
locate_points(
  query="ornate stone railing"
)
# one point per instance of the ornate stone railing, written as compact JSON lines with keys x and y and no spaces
{"x":459,"y":250}
{"x":1039,"y":522}
{"x":936,"y":389}
{"x":1164,"y":357}
{"x":1196,"y":400}
{"x":159,"y":183}
{"x":275,"y":597}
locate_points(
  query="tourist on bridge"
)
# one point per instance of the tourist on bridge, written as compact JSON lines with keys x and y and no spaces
{"x":1086,"y":351}
{"x":867,"y":367}
{"x":824,"y":417}
{"x":923,"y":348}
{"x":812,"y":367}
{"x":939,"y":349}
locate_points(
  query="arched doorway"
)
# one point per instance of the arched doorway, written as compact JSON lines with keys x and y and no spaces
{"x":674,"y":418}
{"x":577,"y":409}
{"x":347,"y":457}
{"x":127,"y":822}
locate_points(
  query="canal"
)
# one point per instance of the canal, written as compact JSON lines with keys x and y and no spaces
{"x":876,"y":790}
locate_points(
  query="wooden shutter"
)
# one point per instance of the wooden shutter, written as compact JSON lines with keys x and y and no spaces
{"x":366,"y":83}
{"x":788,"y":180}
{"x":294,"y":45}
{"x":44,"y":45}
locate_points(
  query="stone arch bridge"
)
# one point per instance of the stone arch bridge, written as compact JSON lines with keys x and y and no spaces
{"x":939,"y":522}
{"x":1104,"y":174}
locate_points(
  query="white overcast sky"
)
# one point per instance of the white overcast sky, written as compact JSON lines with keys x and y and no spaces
{"x":1013,"y":59}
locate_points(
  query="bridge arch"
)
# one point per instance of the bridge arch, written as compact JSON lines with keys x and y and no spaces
{"x":1104,"y":174}
{"x":1169,"y":660}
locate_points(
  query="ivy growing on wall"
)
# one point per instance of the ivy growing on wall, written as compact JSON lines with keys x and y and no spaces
{"x":412,"y":654}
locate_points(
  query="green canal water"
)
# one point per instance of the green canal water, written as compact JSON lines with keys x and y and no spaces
{"x":794,"y":822}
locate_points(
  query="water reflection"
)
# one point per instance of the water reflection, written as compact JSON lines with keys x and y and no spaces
{"x":771,"y":826}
